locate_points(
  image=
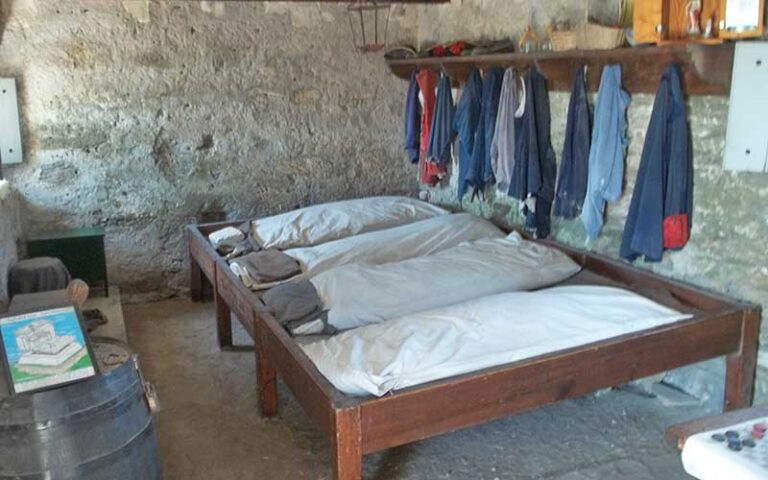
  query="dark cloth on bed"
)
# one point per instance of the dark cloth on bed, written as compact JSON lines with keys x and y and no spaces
{"x":660,"y":213}
{"x":243,"y":248}
{"x":269,"y":265}
{"x":296,"y":304}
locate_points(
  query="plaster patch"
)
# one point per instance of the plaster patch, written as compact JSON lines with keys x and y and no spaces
{"x":218,"y":9}
{"x":138,"y":9}
{"x":302,"y":15}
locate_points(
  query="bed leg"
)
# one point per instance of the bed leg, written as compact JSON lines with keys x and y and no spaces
{"x":741,"y":366}
{"x":347,"y":447}
{"x":195,"y":280}
{"x":223,"y":321}
{"x":266,"y":380}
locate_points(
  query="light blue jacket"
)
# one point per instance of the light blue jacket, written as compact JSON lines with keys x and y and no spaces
{"x":607,"y":152}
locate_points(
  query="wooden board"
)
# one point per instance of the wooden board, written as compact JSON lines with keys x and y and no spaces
{"x":706,"y":68}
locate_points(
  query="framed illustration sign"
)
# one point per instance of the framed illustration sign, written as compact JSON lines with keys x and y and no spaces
{"x":45,"y":349}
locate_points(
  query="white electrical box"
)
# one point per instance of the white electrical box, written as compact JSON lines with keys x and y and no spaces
{"x":746,"y":142}
{"x":10,"y":130}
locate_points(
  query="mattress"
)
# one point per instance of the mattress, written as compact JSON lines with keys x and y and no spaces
{"x":363,"y":294}
{"x":331,"y":221}
{"x":417,"y":239}
{"x":478,"y":334}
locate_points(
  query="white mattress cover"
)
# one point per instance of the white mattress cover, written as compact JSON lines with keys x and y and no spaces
{"x":479,"y":334}
{"x":707,"y":459}
{"x":417,"y":239}
{"x":362,"y":294}
{"x":331,"y":221}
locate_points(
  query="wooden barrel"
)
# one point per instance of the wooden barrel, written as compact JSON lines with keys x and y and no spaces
{"x":99,"y":429}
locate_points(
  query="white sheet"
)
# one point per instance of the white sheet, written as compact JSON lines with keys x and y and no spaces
{"x":479,"y":334}
{"x":416,"y":239}
{"x":331,"y":221}
{"x":394,"y":244}
{"x":362,"y":294}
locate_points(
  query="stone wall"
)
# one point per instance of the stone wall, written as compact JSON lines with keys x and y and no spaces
{"x":139,"y":115}
{"x":501,"y":19}
{"x":9,"y":234}
{"x":730,"y":221}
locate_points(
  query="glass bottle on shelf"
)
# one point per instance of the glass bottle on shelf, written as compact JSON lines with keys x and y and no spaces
{"x":528,"y":42}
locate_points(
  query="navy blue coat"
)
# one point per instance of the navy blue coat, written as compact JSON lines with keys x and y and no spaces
{"x":465,"y":125}
{"x":574,"y":163}
{"x":413,"y":120}
{"x":442,"y":134}
{"x":480,"y":172}
{"x":535,"y":169}
{"x":664,"y":186}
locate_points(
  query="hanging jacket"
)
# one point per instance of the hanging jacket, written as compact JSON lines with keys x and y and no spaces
{"x":413,"y":120}
{"x":503,"y":146}
{"x":480,"y":172}
{"x":465,"y":125}
{"x":429,"y":173}
{"x":535,"y":170}
{"x":659,"y":216}
{"x":606,"y":154}
{"x":441,"y":136}
{"x":572,"y":179}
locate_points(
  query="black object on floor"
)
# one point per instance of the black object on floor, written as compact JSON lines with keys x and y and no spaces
{"x":93,"y":319}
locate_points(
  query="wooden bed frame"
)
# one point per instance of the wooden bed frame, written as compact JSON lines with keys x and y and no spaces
{"x":356,"y":426}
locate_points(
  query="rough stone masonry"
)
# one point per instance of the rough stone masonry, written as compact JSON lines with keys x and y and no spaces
{"x":139,"y":116}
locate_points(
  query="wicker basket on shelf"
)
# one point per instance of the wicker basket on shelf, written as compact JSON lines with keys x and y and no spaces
{"x":592,"y":36}
{"x":564,"y":40}
{"x":599,"y":37}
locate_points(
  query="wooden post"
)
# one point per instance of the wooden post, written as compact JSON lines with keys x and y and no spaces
{"x":741,"y":366}
{"x":347,"y":445}
{"x":195,"y":279}
{"x":223,"y":321}
{"x":266,"y":377}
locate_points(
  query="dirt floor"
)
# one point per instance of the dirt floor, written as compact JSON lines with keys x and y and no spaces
{"x":210,"y":428}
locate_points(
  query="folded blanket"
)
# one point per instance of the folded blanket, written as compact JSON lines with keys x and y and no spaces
{"x":264,"y":267}
{"x":298,"y":308}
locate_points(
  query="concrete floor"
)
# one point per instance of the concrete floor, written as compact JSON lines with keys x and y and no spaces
{"x":209,"y":426}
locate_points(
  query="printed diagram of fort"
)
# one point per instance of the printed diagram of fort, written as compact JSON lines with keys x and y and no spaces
{"x":44,"y":352}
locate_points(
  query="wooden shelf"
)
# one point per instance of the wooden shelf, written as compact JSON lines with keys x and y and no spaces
{"x":706,"y":68}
